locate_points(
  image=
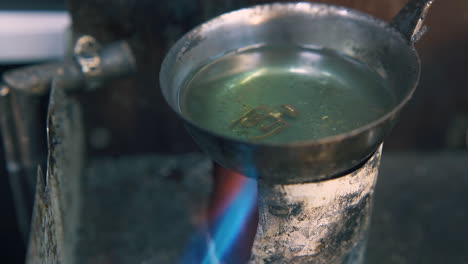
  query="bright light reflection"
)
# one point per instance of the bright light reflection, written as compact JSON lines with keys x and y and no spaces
{"x":326,"y":73}
{"x":231,"y":222}
{"x":256,"y":20}
{"x":252,"y":76}
{"x":298,"y":70}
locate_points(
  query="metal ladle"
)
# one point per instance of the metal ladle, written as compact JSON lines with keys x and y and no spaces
{"x":388,"y":49}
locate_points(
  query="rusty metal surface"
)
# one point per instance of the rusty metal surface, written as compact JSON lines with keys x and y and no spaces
{"x":45,"y":238}
{"x":322,"y":222}
{"x":65,"y":163}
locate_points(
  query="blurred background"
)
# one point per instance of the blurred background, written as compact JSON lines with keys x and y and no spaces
{"x":436,"y":120}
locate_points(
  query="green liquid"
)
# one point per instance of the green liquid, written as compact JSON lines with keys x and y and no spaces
{"x":298,"y":94}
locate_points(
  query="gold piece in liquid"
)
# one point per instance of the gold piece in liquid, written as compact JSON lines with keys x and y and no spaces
{"x":264,"y":118}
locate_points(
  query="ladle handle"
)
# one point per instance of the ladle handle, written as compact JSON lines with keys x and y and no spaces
{"x":410,"y":20}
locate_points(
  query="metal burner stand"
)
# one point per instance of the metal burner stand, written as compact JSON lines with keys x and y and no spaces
{"x":319,"y":222}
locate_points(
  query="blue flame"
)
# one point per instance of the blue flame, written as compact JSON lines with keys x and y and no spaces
{"x":232,"y":220}
{"x":211,"y":247}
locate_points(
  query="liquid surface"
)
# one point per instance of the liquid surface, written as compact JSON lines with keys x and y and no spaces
{"x":282,"y":95}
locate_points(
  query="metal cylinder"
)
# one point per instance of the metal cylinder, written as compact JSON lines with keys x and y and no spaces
{"x":318,"y":222}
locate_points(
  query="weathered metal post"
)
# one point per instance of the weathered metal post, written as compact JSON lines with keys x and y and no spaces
{"x":24,"y":99}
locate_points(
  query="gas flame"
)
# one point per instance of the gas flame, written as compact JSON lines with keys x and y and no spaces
{"x":229,"y":229}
